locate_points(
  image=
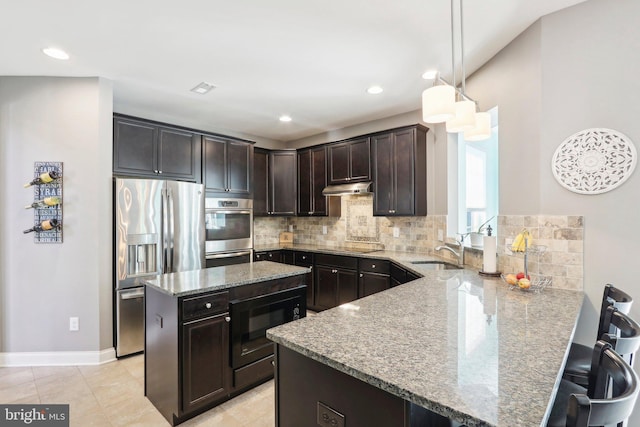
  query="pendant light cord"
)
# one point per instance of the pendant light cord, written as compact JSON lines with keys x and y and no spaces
{"x":453,"y":56}
{"x":462,"y":49}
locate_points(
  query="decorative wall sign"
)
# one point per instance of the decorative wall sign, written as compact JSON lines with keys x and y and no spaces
{"x":361,"y":225}
{"x":43,"y":194}
{"x":594,"y":161}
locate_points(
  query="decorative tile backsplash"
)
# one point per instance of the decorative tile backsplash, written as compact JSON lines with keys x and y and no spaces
{"x":358,"y":228}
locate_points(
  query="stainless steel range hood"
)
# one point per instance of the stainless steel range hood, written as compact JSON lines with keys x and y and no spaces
{"x":347,"y":189}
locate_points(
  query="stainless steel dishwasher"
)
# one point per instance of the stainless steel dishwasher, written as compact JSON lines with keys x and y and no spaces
{"x":130,"y":320}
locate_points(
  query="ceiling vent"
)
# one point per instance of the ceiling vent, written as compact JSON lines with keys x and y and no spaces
{"x":203,"y":88}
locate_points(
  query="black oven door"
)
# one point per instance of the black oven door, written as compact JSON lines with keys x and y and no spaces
{"x":251,"y":318}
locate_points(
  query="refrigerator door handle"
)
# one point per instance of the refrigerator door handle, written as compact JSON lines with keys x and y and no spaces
{"x":172,"y":229}
{"x":134,"y":294}
{"x":165,"y":232}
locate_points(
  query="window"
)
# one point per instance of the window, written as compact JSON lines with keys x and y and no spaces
{"x":477,"y":178}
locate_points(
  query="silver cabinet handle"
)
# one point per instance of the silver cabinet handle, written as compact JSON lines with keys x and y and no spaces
{"x":361,"y":275}
{"x":227,"y":319}
{"x":304,"y":257}
{"x":159,"y":171}
{"x":273,"y":362}
{"x":373,"y":266}
{"x":208,"y":305}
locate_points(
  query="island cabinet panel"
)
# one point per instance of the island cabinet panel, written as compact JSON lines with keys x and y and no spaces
{"x":349,"y":161}
{"x":329,"y":398}
{"x":399,"y":172}
{"x":336,"y":280}
{"x":147,"y":149}
{"x":305,"y":259}
{"x":206,"y":360}
{"x":227,"y":167}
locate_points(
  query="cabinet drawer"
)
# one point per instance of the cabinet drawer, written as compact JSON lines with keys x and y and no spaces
{"x":304,"y":258}
{"x":253,"y":372}
{"x":206,"y":305}
{"x":398,"y":273}
{"x":374,"y":265}
{"x":337,"y":261}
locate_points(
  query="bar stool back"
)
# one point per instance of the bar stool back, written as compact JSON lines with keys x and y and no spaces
{"x":579,"y":359}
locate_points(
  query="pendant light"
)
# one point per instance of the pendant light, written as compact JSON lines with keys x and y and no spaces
{"x":438,"y":104}
{"x":482,"y":129}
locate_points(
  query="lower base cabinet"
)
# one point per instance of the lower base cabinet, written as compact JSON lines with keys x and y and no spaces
{"x":336,"y":280}
{"x":309,"y":393}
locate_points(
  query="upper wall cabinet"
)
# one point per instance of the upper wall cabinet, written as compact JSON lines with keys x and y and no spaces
{"x":349,"y":161}
{"x":227,"y":167}
{"x":274,"y":183}
{"x":312,"y":179}
{"x":400,"y":172}
{"x":147,"y":149}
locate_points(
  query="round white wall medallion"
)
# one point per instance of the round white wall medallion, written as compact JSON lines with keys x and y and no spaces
{"x":594,"y":161}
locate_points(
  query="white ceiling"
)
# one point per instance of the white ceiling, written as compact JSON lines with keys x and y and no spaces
{"x":310,"y":59}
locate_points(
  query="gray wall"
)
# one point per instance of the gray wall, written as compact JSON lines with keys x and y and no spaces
{"x":42,"y":285}
{"x":571,"y":70}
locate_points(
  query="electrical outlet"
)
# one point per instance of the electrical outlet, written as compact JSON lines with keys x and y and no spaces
{"x":440,"y":235}
{"x":291,"y":228}
{"x":74,"y":324}
{"x":324,"y":229}
{"x":396,"y":232}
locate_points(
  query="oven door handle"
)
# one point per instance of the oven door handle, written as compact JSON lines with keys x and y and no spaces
{"x":227,"y":212}
{"x":229,"y":255}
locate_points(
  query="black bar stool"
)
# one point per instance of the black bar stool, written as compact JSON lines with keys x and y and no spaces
{"x":610,"y":399}
{"x":579,"y":359}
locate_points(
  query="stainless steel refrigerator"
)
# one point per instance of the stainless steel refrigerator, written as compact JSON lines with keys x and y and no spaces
{"x":159,"y":228}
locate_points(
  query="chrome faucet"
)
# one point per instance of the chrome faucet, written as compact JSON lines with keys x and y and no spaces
{"x":459,"y":254}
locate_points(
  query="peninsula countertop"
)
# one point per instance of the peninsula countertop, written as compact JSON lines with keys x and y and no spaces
{"x":218,"y":278}
{"x":456,"y":343}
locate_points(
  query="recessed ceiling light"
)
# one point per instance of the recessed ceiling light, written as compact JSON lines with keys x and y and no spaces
{"x":203,"y":88}
{"x":374,"y":90}
{"x":430,"y":74}
{"x":285,"y":118}
{"x":55,"y":53}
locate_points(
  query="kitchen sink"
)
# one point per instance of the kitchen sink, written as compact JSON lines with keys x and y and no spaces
{"x":436,"y":265}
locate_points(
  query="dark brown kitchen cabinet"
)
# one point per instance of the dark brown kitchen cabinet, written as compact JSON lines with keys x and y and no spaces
{"x":206,"y":361}
{"x":312,"y":179}
{"x":227,"y":167}
{"x":336,"y":280}
{"x":305,"y":259}
{"x":274,"y":256}
{"x":349,"y":161}
{"x":399,"y":172}
{"x":147,"y":149}
{"x":373,"y":277}
{"x":276,"y":195}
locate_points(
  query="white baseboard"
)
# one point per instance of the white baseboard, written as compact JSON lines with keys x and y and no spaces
{"x":58,"y":358}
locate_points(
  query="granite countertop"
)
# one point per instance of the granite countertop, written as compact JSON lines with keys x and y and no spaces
{"x":454,"y":342}
{"x":217,"y":278}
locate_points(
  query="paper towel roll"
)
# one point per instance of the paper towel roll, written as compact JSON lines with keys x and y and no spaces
{"x":489,"y":254}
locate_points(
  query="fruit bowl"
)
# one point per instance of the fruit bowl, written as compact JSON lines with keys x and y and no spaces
{"x":536,"y":283}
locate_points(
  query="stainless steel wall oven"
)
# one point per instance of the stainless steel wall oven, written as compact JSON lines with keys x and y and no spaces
{"x":229,"y":231}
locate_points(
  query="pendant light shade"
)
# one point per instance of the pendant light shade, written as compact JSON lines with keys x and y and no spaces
{"x":438,"y":104}
{"x":465,"y":117}
{"x":482,"y":129}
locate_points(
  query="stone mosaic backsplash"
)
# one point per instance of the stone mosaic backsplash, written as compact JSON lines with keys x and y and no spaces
{"x":562,"y":236}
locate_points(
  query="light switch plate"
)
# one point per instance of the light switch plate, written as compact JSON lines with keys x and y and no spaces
{"x":396,"y":232}
{"x":324,"y":229}
{"x":440,"y":235}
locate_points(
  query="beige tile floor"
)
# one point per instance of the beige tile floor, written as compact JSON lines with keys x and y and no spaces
{"x":112,"y":395}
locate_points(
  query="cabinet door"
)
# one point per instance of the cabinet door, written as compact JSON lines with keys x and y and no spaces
{"x":178,"y":154}
{"x":318,"y":181}
{"x":215,"y":171}
{"x":239,"y":156}
{"x":134,"y":148}
{"x":205,"y":363}
{"x":347,"y":286}
{"x":304,"y":183}
{"x":286,"y":257}
{"x":382,"y":148}
{"x":282,"y":189}
{"x":360,"y":160}
{"x":404,"y":159}
{"x":260,"y":182}
{"x":326,"y":285}
{"x":371,"y":283}
{"x":339,"y":163}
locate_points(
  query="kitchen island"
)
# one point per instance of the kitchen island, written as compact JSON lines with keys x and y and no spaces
{"x":460,"y":345}
{"x":205,"y":332}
